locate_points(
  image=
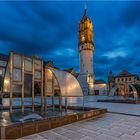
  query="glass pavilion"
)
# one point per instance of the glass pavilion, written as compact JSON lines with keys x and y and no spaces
{"x":25,"y":76}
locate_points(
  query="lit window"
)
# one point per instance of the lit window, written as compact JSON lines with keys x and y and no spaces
{"x":83,"y":38}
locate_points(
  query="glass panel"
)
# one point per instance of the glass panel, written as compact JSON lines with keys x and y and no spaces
{"x":6,"y":86}
{"x":16,"y":90}
{"x":55,"y":82}
{"x":49,"y":75}
{"x":3,"y":63}
{"x":1,"y":71}
{"x":27,"y":85}
{"x":38,"y":65}
{"x":69,"y":85}
{"x":37,"y":93}
{"x":16,"y":95}
{"x":49,"y":87}
{"x":17,"y":61}
{"x":28,"y":64}
{"x":37,"y":75}
{"x":17,"y":74}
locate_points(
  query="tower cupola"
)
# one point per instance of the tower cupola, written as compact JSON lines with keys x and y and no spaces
{"x":85,"y":30}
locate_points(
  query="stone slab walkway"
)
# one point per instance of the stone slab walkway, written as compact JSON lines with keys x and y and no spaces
{"x":106,"y":127}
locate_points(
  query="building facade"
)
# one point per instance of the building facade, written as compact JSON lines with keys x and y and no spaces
{"x":86,"y":50}
{"x":100,"y":87}
{"x":123,"y":84}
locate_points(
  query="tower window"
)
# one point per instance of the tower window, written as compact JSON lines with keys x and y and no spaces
{"x":125,"y":79}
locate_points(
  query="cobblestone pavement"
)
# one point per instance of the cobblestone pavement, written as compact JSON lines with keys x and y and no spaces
{"x":106,"y":127}
{"x":91,"y":101}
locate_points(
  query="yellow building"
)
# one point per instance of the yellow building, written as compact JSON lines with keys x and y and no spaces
{"x":123,"y":84}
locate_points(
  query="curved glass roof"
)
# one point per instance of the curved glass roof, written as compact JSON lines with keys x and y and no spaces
{"x":69,"y":85}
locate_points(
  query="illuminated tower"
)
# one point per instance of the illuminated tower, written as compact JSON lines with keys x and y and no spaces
{"x":86,"y":49}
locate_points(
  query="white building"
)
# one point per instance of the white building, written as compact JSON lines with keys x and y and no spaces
{"x":100,"y":87}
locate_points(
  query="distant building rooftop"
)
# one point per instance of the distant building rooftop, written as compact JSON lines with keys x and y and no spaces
{"x":50,"y":64}
{"x":72,"y":71}
{"x":100,"y":82}
{"x":125,"y":73}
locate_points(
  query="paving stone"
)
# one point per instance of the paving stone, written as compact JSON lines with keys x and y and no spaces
{"x":72,"y":127}
{"x":91,"y":127}
{"x":33,"y":137}
{"x":73,"y":135}
{"x":112,"y":126}
{"x":53,"y":136}
{"x":105,"y":137}
{"x":137,"y":134}
{"x":110,"y":132}
{"x":87,"y":138}
{"x":59,"y":130}
{"x":128,"y":137}
{"x":124,"y":130}
{"x":89,"y":133}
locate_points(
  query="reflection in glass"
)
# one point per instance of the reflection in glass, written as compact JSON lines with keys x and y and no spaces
{"x":17,"y":61}
{"x":28,"y":64}
{"x":55,"y":82}
{"x":3,"y":63}
{"x":16,"y":74}
{"x":16,"y":90}
{"x":37,"y":65}
{"x":49,"y":75}
{"x":49,"y":87}
{"x":6,"y":86}
{"x":37,"y":75}
{"x":37,"y":88}
{"x":27,"y":85}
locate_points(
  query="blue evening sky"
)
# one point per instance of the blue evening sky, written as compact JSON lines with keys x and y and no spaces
{"x":50,"y":29}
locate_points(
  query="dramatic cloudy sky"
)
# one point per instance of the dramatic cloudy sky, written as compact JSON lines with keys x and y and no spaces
{"x":50,"y":30}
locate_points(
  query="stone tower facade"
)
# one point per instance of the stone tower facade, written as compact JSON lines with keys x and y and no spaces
{"x":86,"y":50}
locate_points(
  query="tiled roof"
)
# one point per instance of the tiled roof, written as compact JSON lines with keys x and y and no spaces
{"x":124,"y":73}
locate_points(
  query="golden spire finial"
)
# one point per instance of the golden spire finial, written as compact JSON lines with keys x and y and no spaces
{"x":85,"y":7}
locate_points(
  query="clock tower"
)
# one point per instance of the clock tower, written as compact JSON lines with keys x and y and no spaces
{"x":86,"y":50}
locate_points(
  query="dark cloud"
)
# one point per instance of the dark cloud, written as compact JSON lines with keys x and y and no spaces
{"x":137,"y":43}
{"x":50,"y":29}
{"x":131,"y":13}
